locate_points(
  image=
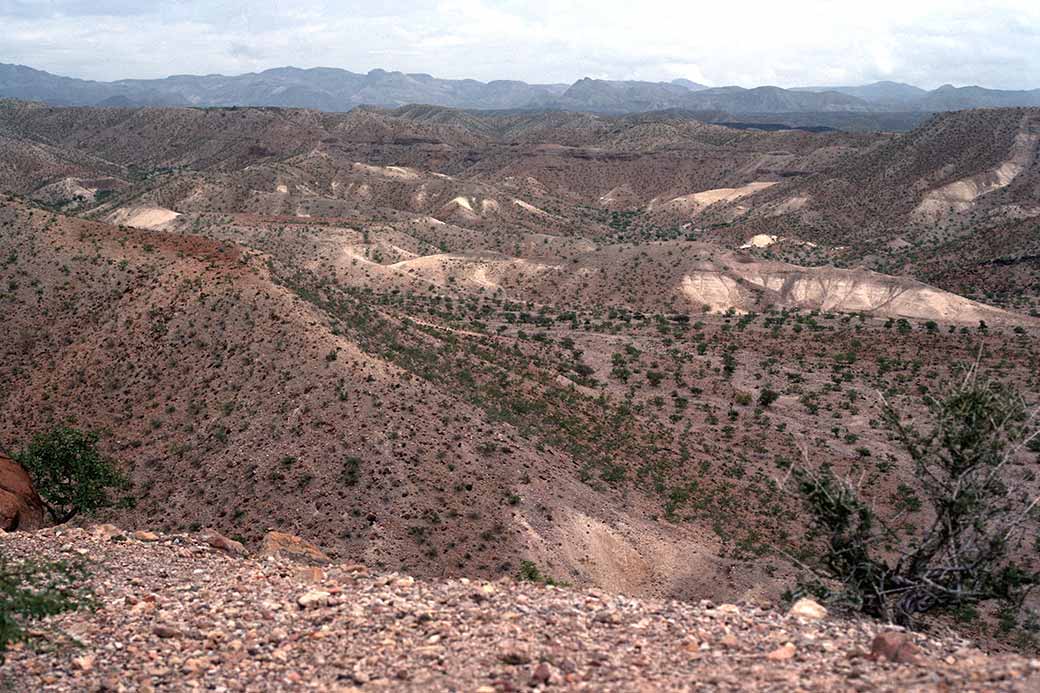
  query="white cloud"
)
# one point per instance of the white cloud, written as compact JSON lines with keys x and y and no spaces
{"x":790,"y":43}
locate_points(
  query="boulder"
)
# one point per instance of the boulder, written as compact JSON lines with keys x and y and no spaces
{"x":313,"y":599}
{"x":895,"y":647}
{"x":20,"y":505}
{"x":292,"y":547}
{"x":107,"y":532}
{"x":222,"y":543}
{"x":807,"y":609}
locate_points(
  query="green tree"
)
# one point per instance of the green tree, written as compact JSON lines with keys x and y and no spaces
{"x":70,"y":473}
{"x":971,"y":542}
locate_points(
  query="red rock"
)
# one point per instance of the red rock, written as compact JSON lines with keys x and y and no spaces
{"x":290,"y":546}
{"x":84,"y":663}
{"x":166,"y":631}
{"x":782,"y":653}
{"x":219,"y":541}
{"x":895,"y":647}
{"x":20,"y":505}
{"x":729,"y":641}
{"x":541,"y":674}
{"x":309,"y":574}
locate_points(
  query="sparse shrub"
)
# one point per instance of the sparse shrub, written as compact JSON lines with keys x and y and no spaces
{"x":729,"y":364}
{"x":351,"y":471}
{"x":969,"y":547}
{"x":766,"y":397}
{"x":529,"y":572}
{"x":30,"y":591}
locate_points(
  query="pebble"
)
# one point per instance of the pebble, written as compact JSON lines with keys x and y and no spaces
{"x":313,"y":599}
{"x":782,"y":653}
{"x":176,"y":615}
{"x":166,"y":631}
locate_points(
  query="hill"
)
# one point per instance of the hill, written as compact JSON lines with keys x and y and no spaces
{"x":450,"y":343}
{"x":949,"y":203}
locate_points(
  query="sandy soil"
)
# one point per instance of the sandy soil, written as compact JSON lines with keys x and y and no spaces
{"x":152,"y":218}
{"x":960,"y":195}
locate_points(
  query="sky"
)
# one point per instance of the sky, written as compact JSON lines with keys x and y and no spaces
{"x":993,"y":43}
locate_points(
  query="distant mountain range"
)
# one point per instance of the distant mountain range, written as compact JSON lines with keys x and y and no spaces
{"x":332,"y":89}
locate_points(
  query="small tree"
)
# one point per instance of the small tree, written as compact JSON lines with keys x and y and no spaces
{"x":30,"y":591}
{"x":970,"y":545}
{"x":70,"y":473}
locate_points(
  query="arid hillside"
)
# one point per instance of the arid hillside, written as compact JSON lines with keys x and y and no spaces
{"x":240,"y":403}
{"x":955,"y":203}
{"x":446,"y":343}
{"x":958,"y":192}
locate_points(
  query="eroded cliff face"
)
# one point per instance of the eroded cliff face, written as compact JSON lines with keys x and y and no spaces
{"x":20,"y":505}
{"x":961,"y":195}
{"x":751,"y":286}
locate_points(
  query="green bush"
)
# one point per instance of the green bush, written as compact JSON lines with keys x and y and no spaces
{"x":351,"y":471}
{"x":30,"y":591}
{"x":767,"y":397}
{"x":529,"y":572}
{"x":968,"y":543}
{"x":70,"y":473}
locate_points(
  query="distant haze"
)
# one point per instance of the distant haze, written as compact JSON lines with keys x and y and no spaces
{"x":787,"y":44}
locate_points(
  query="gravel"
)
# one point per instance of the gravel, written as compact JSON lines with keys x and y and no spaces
{"x":175,"y":613}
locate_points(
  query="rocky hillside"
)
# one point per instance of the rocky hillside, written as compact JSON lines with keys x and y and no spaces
{"x":183,"y":611}
{"x":952,"y":204}
{"x":408,"y":411}
{"x":448,"y":344}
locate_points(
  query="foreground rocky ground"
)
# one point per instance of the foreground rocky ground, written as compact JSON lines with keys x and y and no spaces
{"x":185,"y":612}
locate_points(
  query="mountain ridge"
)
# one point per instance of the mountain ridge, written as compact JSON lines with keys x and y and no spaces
{"x":336,"y":89}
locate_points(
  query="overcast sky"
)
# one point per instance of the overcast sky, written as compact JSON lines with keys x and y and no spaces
{"x":993,"y":43}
